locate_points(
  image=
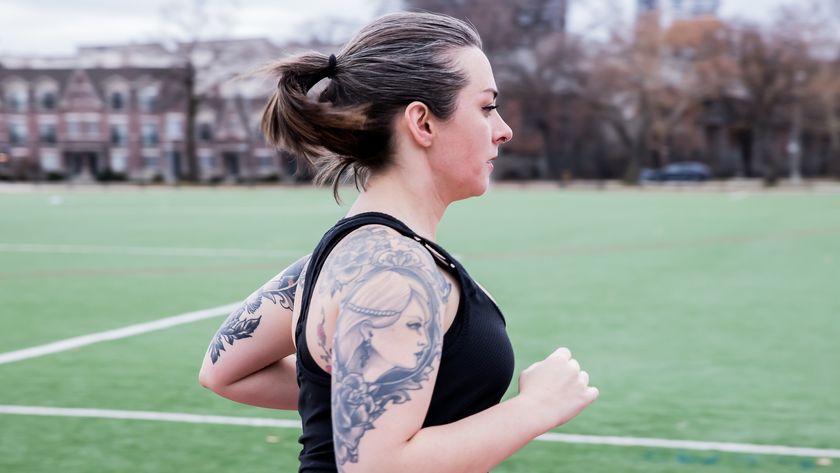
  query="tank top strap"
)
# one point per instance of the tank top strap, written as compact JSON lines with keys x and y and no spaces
{"x":333,"y":236}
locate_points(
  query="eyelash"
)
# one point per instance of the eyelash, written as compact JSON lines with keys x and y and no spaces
{"x":490,"y":108}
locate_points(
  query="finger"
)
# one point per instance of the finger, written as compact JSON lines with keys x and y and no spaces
{"x":562,"y":353}
{"x":584,"y":377}
{"x":591,"y":394}
{"x":574,"y":364}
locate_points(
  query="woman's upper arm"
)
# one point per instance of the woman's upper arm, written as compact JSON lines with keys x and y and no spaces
{"x":387,"y":344}
{"x":255,"y":334}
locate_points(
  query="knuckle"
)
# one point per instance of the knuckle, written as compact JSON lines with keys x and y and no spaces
{"x":563,"y":352}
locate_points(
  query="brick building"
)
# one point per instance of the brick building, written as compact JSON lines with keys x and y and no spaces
{"x":91,"y":124}
{"x":120,"y":112}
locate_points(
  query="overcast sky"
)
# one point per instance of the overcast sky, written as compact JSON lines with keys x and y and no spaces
{"x":57,"y":27}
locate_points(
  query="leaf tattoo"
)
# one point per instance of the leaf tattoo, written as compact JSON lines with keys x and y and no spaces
{"x":233,"y":329}
{"x":243,"y":321}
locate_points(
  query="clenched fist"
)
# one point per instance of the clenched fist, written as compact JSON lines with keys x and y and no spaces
{"x":557,"y":387}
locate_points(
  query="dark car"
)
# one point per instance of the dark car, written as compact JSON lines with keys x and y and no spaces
{"x":650,"y":175}
{"x":686,"y":171}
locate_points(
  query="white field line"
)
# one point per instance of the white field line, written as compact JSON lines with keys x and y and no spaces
{"x":145,"y":250}
{"x":550,"y":437}
{"x":146,"y":415}
{"x":129,"y":331}
{"x":692,"y":445}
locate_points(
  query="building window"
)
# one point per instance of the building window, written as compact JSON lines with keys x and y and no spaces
{"x":119,"y":161}
{"x":117,"y":101}
{"x":205,"y":132}
{"x":16,"y":100}
{"x":50,"y":161}
{"x":119,"y":134}
{"x":73,"y":130}
{"x":47,"y":133}
{"x":265,"y":162}
{"x":150,"y":135}
{"x":206,"y":160}
{"x":148,"y":99}
{"x":150,"y":162}
{"x":17,"y":134}
{"x":91,"y":130}
{"x":174,"y":159}
{"x":48,"y":101}
{"x":174,"y":128}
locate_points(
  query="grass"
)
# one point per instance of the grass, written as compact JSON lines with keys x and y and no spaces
{"x":699,"y":317}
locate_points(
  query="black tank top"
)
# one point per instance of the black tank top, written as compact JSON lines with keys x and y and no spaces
{"x":476,"y":364}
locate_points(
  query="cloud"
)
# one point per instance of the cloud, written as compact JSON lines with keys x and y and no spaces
{"x":57,"y":27}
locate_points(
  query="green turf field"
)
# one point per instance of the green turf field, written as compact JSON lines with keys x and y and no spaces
{"x":700,"y":316}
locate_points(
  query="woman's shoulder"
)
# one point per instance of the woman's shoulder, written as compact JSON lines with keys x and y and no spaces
{"x":381,"y":240}
{"x":377,"y":248}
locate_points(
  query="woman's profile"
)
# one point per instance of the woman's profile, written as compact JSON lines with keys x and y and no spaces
{"x":395,"y":358}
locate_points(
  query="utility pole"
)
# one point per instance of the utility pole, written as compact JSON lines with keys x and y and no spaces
{"x":794,"y":146}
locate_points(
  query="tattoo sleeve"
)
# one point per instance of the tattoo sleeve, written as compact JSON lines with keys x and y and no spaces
{"x":388,"y":333}
{"x":242,"y":322}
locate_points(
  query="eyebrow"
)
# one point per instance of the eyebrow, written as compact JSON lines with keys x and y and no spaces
{"x":495,"y":92}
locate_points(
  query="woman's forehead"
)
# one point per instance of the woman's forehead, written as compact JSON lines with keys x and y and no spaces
{"x":478,"y":70}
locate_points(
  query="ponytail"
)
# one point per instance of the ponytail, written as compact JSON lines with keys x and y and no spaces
{"x":314,"y":130}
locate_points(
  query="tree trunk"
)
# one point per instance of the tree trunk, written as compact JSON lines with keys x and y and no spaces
{"x":763,"y":161}
{"x":639,"y":154}
{"x":755,"y":166}
{"x":631,"y":168}
{"x":189,"y":122}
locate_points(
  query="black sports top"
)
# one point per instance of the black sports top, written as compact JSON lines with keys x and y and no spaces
{"x":476,"y":363}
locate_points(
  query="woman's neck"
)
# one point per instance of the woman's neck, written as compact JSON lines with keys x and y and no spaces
{"x":412,"y":199}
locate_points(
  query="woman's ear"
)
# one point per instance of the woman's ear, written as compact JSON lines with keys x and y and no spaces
{"x":418,"y":120}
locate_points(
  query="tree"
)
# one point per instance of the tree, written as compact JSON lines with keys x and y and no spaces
{"x":644,"y":85}
{"x":823,"y":88}
{"x":769,"y":69}
{"x":186,"y":25}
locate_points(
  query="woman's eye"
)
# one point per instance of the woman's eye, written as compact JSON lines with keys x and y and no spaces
{"x":414,"y":326}
{"x":490,"y":108}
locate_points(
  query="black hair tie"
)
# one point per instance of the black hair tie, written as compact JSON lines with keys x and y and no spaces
{"x":331,"y":67}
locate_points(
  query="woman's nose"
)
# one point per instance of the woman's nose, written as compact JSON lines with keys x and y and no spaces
{"x":504,"y":133}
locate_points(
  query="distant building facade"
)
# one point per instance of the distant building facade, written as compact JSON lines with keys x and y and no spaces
{"x":91,"y":124}
{"x":695,"y":8}
{"x":121,"y":112}
{"x":678,"y":9}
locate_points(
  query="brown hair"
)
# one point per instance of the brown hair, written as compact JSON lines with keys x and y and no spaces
{"x":395,"y":60}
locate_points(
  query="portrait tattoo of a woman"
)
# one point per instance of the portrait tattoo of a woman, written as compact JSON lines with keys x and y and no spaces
{"x":388,"y":333}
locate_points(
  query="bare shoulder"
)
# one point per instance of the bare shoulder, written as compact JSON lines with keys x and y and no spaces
{"x":373,"y":249}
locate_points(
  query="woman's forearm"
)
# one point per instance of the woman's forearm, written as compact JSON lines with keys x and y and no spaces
{"x":274,"y":386}
{"x":476,"y":443}
{"x":473,"y":444}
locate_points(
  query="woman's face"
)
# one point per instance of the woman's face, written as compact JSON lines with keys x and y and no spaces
{"x":402,"y":343}
{"x":469,"y":140}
